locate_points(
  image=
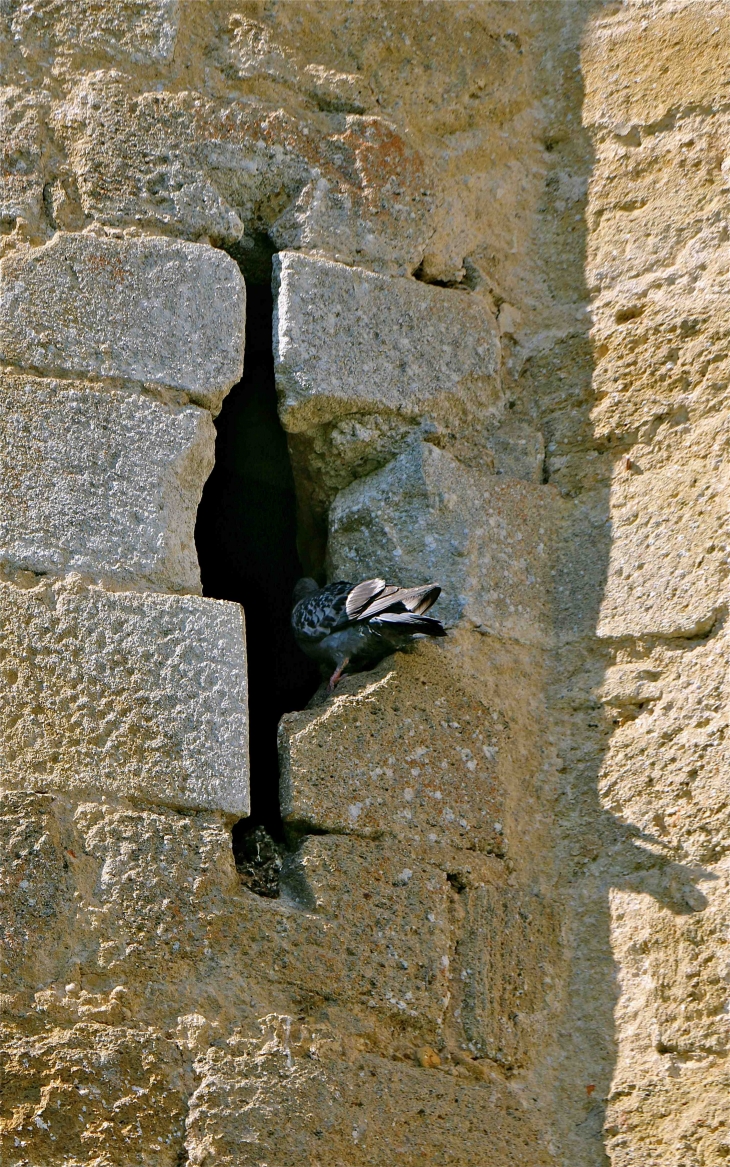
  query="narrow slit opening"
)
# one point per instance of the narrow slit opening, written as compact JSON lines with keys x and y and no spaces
{"x":246,"y":538}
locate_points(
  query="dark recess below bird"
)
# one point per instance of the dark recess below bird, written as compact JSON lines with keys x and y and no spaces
{"x":348,"y":627}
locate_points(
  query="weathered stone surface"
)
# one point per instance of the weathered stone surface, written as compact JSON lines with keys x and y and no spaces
{"x":106,"y":483}
{"x":485,"y":540}
{"x":141,"y":897}
{"x":350,"y":184}
{"x":504,"y":956}
{"x":347,"y":340}
{"x":24,"y":146}
{"x":126,"y":694}
{"x":149,"y":310}
{"x":406,"y":749}
{"x":678,"y":795}
{"x":667,"y":572}
{"x":681,"y":47}
{"x":90,"y":1092}
{"x":518,"y":451}
{"x":36,"y":894}
{"x":549,"y":159}
{"x":670,"y":977}
{"x":385,"y":936}
{"x":259,"y":1098}
{"x":141,"y":31}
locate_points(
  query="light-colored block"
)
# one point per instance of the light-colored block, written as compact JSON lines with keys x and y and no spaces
{"x":90,"y":1092}
{"x":348,"y":340}
{"x":426,"y":518}
{"x":276,"y":1100}
{"x":387,"y":907}
{"x":668,"y":562}
{"x":135,"y":695}
{"x":141,"y":31}
{"x":103,"y":483}
{"x":149,"y":310}
{"x":405,"y":750}
{"x":507,"y":941}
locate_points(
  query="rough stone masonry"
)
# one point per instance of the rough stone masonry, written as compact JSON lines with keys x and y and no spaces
{"x":501,"y":237}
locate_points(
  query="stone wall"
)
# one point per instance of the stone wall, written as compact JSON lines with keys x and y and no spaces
{"x":499,"y":253}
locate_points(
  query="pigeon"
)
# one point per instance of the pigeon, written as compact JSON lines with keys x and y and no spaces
{"x":350,"y":627}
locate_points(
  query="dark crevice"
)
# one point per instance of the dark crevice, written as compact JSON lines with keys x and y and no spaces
{"x":422,"y":277}
{"x":246,"y":542}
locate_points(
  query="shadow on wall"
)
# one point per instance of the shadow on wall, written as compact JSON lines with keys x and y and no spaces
{"x":246,"y":541}
{"x":599,"y":853}
{"x":246,"y":538}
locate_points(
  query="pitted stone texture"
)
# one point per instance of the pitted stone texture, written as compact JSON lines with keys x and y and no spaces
{"x":405,"y":749}
{"x":348,"y":340}
{"x":425,"y":518}
{"x":149,"y":310}
{"x":382,"y":930}
{"x":146,"y":900}
{"x":671,"y":972}
{"x":158,"y":900}
{"x":37,"y":886}
{"x":24,"y":146}
{"x":504,"y":971}
{"x":288,"y":1101}
{"x":90,"y":1094}
{"x":677,"y":790}
{"x":102,"y":483}
{"x":670,"y":45}
{"x":140,"y":31}
{"x":668,"y":560}
{"x":192,"y":162}
{"x":122,"y":693}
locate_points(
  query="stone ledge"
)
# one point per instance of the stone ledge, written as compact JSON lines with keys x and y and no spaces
{"x":405,"y":749}
{"x":125,"y":694}
{"x":105,"y":483}
{"x":149,"y":310}
{"x":348,"y":340}
{"x":486,"y":540}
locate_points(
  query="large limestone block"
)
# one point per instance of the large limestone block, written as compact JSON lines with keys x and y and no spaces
{"x":379,"y":936}
{"x":145,"y":898}
{"x":102,"y":483}
{"x":348,"y":340}
{"x":92,"y":1093}
{"x":140,"y":695}
{"x":665,"y":767}
{"x":36,"y":893}
{"x":139,"y":31}
{"x":150,"y":310}
{"x":629,"y":209}
{"x":406,"y":749}
{"x":667,"y":567}
{"x":641,"y":72}
{"x":194,"y":162}
{"x":668,"y":1098}
{"x":505,"y":956}
{"x":279,"y":1100}
{"x":426,"y":518}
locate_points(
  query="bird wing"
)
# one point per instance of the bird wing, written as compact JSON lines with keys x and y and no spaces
{"x":361,"y":595}
{"x":410,"y":622}
{"x":417,"y":600}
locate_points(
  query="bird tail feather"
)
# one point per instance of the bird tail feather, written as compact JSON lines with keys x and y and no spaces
{"x":412,"y":622}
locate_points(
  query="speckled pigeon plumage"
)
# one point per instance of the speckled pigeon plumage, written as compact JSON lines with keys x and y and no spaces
{"x":348,"y":627}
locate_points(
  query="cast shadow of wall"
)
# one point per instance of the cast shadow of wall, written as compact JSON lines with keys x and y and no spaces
{"x":596,"y":852}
